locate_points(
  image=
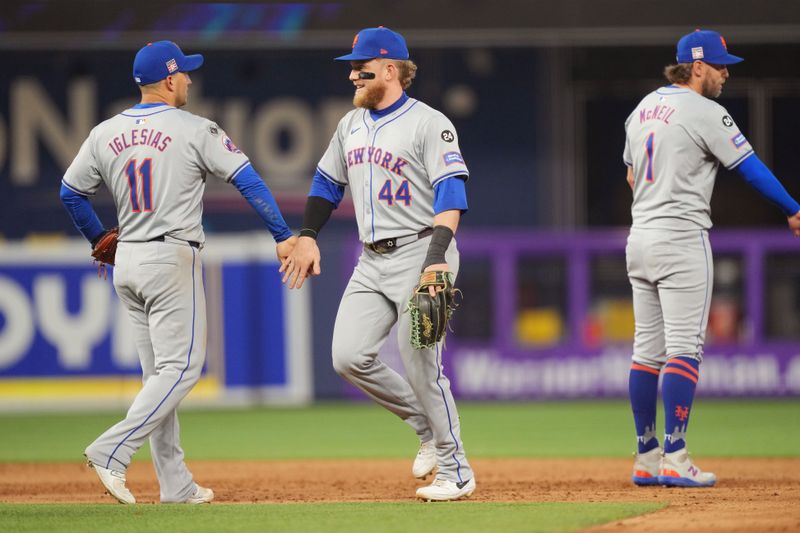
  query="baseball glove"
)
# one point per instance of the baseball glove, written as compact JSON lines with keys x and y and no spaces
{"x":105,"y":249}
{"x":430,"y":315}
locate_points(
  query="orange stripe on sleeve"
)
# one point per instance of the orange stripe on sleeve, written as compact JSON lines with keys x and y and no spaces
{"x":673,"y":370}
{"x":643,"y":368}
{"x":685,"y":365}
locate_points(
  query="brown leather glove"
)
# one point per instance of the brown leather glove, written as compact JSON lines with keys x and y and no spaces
{"x":105,"y":249}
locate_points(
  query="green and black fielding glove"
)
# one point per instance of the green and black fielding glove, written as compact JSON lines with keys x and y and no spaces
{"x":431,"y":314}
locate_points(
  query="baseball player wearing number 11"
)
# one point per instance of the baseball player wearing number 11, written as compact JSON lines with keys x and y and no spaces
{"x":154,"y":158}
{"x":402,"y":162}
{"x":676,"y":138}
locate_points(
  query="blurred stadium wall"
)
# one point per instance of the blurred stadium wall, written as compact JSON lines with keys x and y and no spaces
{"x":538,"y":92}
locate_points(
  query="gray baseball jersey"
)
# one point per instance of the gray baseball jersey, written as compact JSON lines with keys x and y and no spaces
{"x":154,"y":161}
{"x":392,"y":165}
{"x":675,"y":140}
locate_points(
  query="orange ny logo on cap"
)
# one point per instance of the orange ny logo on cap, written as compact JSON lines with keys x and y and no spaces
{"x":355,"y":40}
{"x":724,"y":44}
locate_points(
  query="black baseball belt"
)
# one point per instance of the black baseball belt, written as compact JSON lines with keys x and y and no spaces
{"x":160,"y":238}
{"x":388,"y":245}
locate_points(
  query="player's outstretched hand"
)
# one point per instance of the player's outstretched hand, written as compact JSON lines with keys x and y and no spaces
{"x":794,"y":224}
{"x":433,"y":289}
{"x":284,"y":248}
{"x":304,"y":261}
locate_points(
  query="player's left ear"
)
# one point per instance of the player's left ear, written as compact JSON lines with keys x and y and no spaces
{"x":391,"y":70}
{"x":169,"y":81}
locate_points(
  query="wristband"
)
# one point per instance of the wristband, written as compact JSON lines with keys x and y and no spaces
{"x":318,"y":211}
{"x":440,"y":241}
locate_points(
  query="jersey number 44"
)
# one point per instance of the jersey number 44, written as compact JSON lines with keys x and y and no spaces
{"x":402,"y":194}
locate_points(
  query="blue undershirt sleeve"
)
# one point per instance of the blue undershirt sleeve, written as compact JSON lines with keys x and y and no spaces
{"x":325,"y":188}
{"x":450,"y":193}
{"x":253,"y":189}
{"x":764,"y":181}
{"x":81,"y":212}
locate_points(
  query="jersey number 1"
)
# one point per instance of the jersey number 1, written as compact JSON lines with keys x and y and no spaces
{"x":145,"y":172}
{"x":650,"y":148}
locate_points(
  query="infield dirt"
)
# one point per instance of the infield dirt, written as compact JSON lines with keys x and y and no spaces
{"x":752,"y":494}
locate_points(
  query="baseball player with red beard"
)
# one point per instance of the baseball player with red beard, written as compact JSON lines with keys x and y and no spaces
{"x":405,"y":171}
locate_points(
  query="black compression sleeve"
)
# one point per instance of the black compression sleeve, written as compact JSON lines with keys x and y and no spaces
{"x":318,"y":211}
{"x":440,"y":241}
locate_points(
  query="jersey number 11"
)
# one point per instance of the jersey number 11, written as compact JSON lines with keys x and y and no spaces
{"x":143,"y":172}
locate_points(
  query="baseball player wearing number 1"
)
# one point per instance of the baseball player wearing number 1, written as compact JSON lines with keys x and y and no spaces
{"x":402,"y":162}
{"x":675,"y":140}
{"x":154,"y":158}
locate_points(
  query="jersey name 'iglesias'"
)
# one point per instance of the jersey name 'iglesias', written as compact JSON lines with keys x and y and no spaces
{"x":154,"y":161}
{"x":392,"y":165}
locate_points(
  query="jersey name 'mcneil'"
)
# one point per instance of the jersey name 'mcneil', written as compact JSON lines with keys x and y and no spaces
{"x":659,"y":112}
{"x":140,"y":137}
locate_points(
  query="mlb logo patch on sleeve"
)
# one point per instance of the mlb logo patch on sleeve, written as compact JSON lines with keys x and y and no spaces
{"x":453,"y":157}
{"x":738,"y":140}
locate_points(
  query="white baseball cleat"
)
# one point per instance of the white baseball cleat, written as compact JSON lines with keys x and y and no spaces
{"x":646,"y":466}
{"x":677,"y":470}
{"x":114,"y":482}
{"x":442,"y":490}
{"x":201,"y":495}
{"x":425,"y":461}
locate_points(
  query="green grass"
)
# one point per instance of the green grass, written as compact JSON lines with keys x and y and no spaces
{"x":768,"y":428}
{"x":463,"y":517}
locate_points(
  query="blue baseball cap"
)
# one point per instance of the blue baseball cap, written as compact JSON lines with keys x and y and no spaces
{"x":377,"y":42}
{"x":160,"y":59}
{"x":707,"y":46}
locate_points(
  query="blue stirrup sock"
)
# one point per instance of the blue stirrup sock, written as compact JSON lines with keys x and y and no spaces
{"x":643,"y":391}
{"x":680,"y":382}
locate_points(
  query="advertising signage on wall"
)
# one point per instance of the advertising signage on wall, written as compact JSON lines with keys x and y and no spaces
{"x":64,"y":334}
{"x":549,"y":315}
{"x":279,"y":106}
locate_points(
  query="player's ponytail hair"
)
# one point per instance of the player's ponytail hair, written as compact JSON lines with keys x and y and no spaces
{"x":680,"y":73}
{"x":407,"y":71}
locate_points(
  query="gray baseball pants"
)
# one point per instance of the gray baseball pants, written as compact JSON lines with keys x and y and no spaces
{"x":161,"y":284}
{"x":672,"y":276}
{"x":374,"y":300}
